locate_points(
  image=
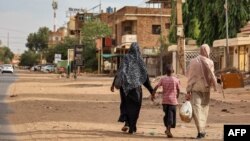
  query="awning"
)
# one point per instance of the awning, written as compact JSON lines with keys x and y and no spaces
{"x":111,"y":55}
{"x":239,"y":41}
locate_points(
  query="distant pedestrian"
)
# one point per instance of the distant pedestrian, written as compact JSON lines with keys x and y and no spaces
{"x":201,"y":77}
{"x":133,"y":74}
{"x":171,"y":90}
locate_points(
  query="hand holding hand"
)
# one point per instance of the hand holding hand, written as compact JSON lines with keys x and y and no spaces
{"x":188,"y":96}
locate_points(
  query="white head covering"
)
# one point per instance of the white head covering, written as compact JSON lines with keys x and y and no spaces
{"x":206,"y":70}
{"x":205,"y":50}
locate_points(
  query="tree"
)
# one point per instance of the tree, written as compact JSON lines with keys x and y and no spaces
{"x":6,"y":55}
{"x":29,"y":58}
{"x":191,"y":23}
{"x":92,"y":30}
{"x":61,"y":48}
{"x":38,"y":41}
{"x":173,"y":28}
{"x":211,"y":18}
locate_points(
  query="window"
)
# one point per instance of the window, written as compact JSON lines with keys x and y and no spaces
{"x":81,"y":18}
{"x":128,"y":30}
{"x":87,"y":18}
{"x":72,"y":32}
{"x":156,"y":29}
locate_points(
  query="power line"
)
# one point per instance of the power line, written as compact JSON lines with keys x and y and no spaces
{"x":13,"y":37}
{"x":9,"y":29}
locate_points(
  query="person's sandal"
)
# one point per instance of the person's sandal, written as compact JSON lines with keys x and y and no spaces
{"x":201,"y":135}
{"x":125,"y":128}
{"x":169,"y":134}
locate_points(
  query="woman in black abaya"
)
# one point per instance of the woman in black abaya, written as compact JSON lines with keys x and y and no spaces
{"x":133,"y":74}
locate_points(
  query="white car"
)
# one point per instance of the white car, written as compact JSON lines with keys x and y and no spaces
{"x":7,"y":68}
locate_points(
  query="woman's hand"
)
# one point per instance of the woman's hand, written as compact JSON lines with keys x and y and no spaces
{"x":112,"y":88}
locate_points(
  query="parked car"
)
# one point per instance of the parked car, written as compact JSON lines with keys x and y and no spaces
{"x":36,"y":68}
{"x":48,"y":68}
{"x":7,"y":68}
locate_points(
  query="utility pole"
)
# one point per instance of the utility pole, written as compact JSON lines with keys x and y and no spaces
{"x":161,"y":63}
{"x":227,"y":48}
{"x":100,"y":7}
{"x":8,"y":39}
{"x":54,"y":6}
{"x":180,"y":38}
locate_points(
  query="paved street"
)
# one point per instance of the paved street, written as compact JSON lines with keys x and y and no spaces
{"x":6,"y":80}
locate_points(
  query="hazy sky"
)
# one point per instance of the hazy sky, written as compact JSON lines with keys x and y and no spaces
{"x":18,"y":18}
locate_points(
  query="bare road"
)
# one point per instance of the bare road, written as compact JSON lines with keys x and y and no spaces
{"x":6,"y":80}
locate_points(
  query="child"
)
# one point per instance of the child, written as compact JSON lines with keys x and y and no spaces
{"x":171,"y":89}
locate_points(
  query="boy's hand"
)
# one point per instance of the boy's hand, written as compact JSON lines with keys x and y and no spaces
{"x":188,"y":96}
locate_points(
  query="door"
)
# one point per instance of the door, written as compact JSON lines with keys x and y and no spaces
{"x":242,"y":58}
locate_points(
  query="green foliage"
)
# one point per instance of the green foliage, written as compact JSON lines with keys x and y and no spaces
{"x":94,"y":29}
{"x":29,"y":58}
{"x":173,"y":28}
{"x":190,"y":23}
{"x":164,"y":42}
{"x":91,"y":62}
{"x":38,"y":41}
{"x":61,"y":48}
{"x":210,"y":16}
{"x":90,"y":32}
{"x":6,"y":55}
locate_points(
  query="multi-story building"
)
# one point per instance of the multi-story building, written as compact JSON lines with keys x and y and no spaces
{"x":76,"y":23}
{"x":143,"y":25}
{"x":57,"y":37}
{"x":131,"y":24}
{"x":71,"y":26}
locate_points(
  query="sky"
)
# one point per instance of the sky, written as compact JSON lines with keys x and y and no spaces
{"x":18,"y":18}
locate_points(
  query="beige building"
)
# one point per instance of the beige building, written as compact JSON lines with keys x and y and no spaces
{"x":76,"y":22}
{"x":239,"y":49}
{"x":58,"y":36}
{"x":71,"y":26}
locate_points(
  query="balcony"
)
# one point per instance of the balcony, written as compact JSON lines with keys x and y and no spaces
{"x":129,"y":38}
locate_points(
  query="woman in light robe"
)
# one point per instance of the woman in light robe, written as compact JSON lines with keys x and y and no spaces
{"x":201,"y":78}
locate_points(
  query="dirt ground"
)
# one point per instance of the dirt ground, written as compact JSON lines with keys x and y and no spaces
{"x":52,"y":108}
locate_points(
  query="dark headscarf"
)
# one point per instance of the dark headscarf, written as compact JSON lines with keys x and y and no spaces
{"x":132,"y":70}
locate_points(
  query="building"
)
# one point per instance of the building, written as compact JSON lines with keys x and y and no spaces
{"x":58,"y":36}
{"x":16,"y":60}
{"x":129,"y":24}
{"x":76,"y":23}
{"x":71,"y":26}
{"x":239,"y":49}
{"x":143,"y":25}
